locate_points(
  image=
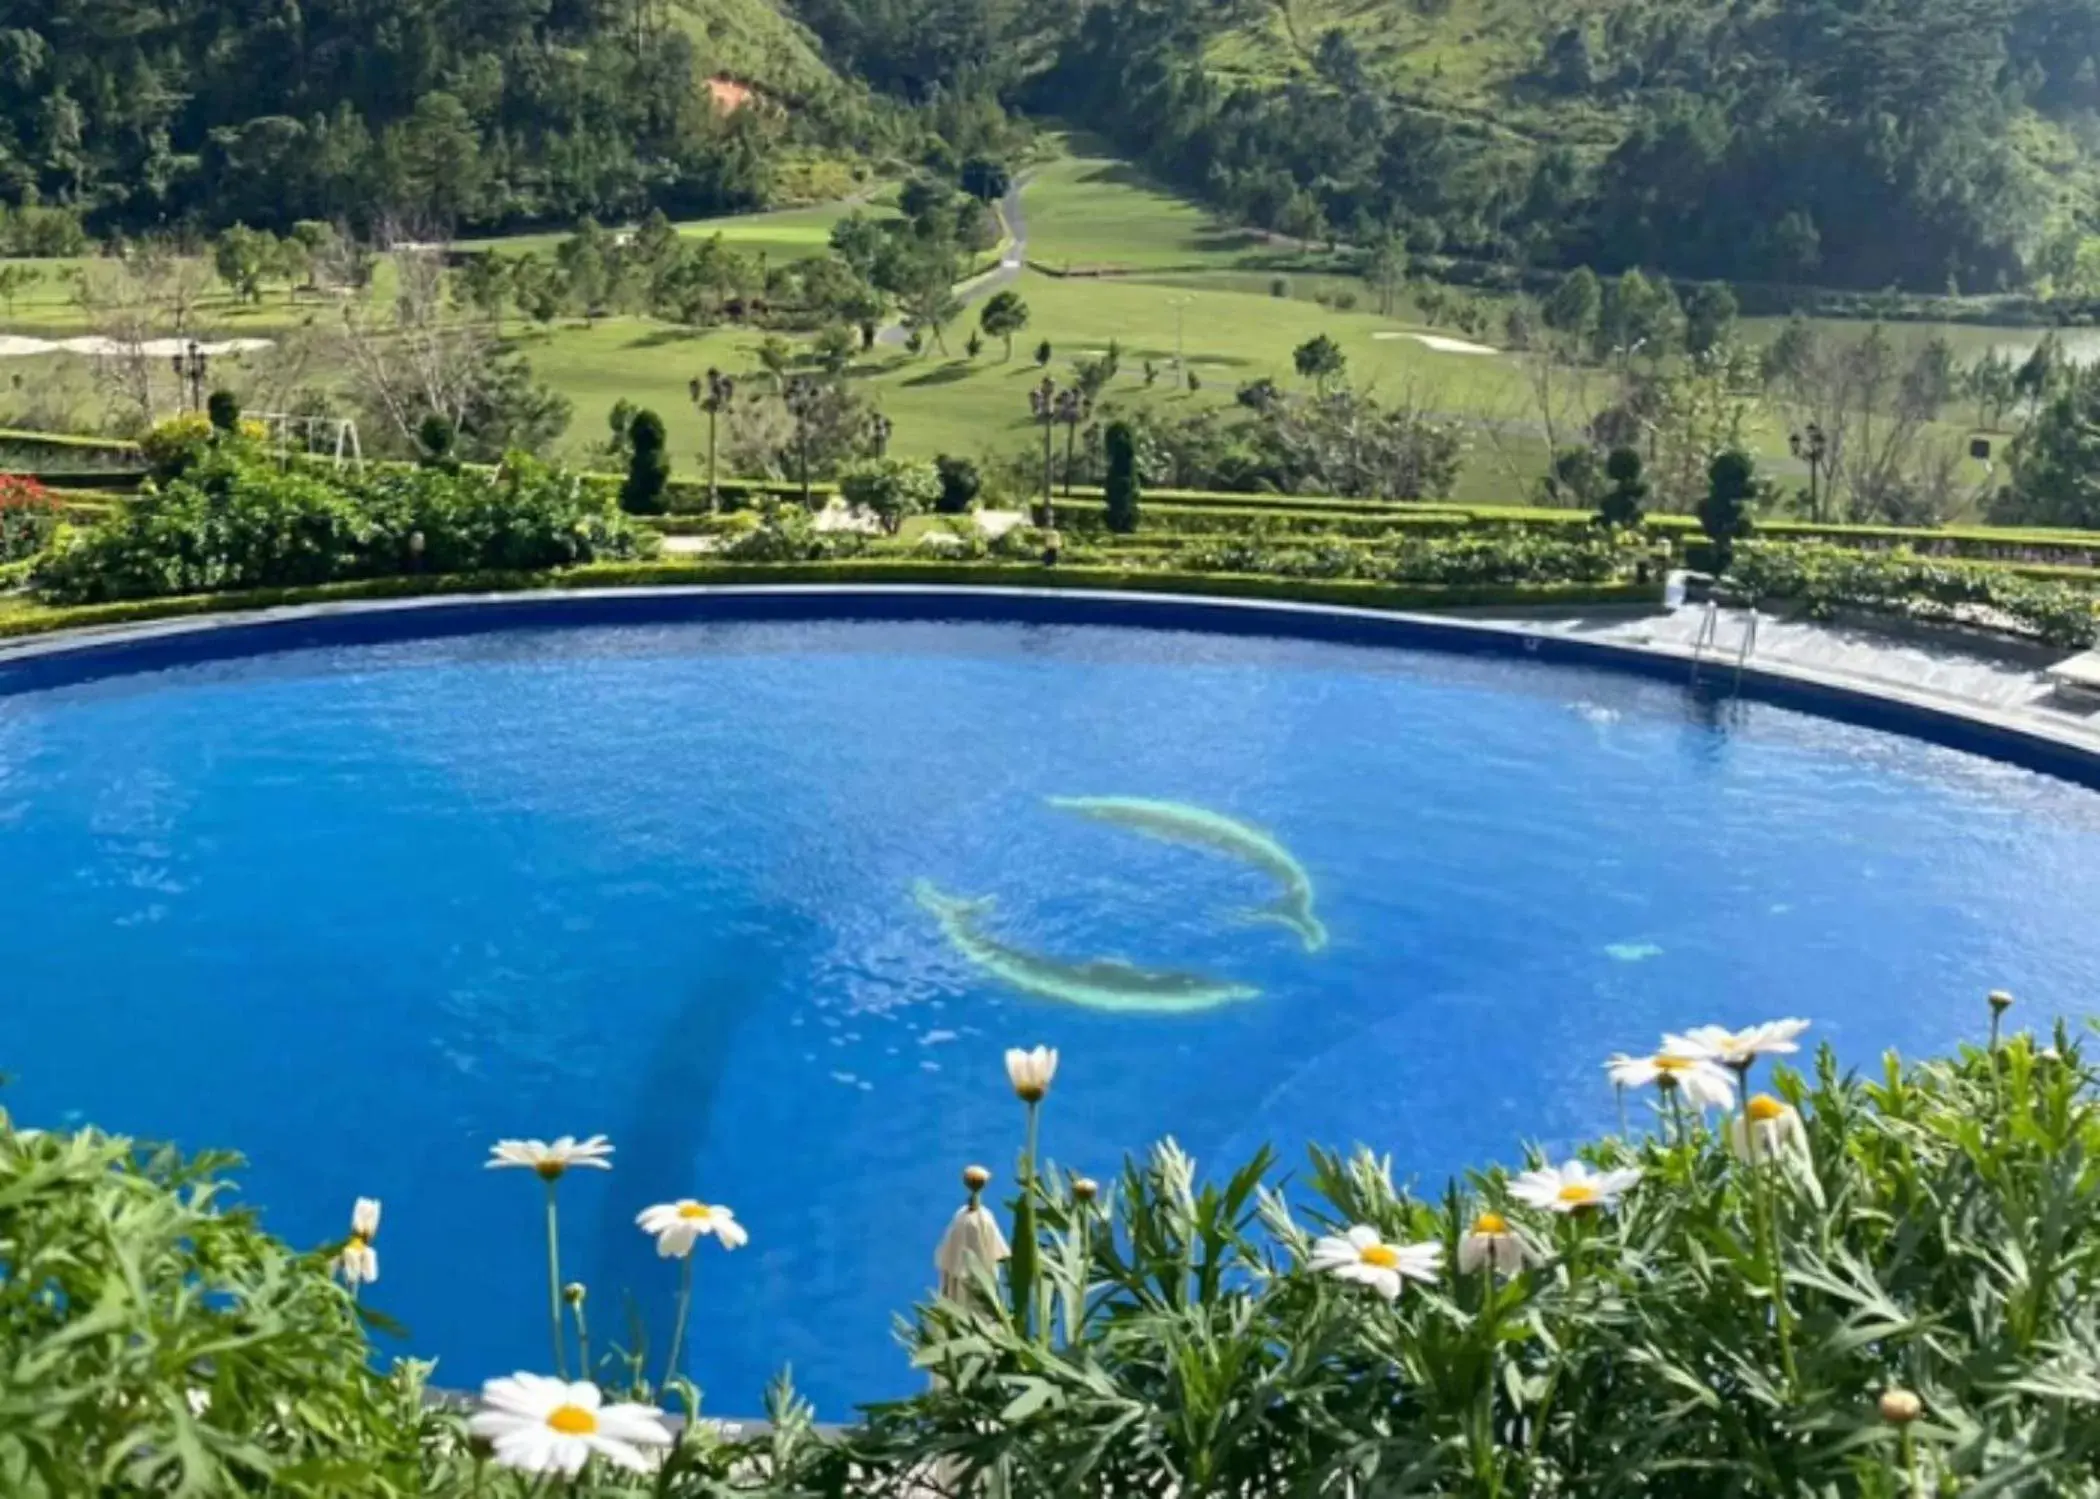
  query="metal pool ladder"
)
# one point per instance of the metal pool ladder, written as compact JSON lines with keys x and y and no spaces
{"x":1709,"y":627}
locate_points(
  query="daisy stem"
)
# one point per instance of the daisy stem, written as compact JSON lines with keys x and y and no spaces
{"x":1619,"y":1092}
{"x":685,"y":1311}
{"x":1768,"y":1235}
{"x":1484,"y":1445}
{"x":554,"y":1284}
{"x":1909,"y":1450}
{"x":1677,"y":1116}
{"x":583,"y":1341}
{"x":1022,"y":1266}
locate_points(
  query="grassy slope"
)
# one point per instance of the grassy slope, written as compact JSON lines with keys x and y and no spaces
{"x":754,"y":41}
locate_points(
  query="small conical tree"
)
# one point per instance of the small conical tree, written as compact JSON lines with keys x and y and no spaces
{"x":1120,"y":488}
{"x":648,"y":465}
{"x":1724,"y":514}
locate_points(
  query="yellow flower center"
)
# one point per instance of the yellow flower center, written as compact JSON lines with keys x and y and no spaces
{"x":1578,"y":1194}
{"x":1764,"y":1108}
{"x":695,"y":1211}
{"x":1029,"y":1092}
{"x":550,"y":1169}
{"x":573,"y":1420}
{"x":1490,"y":1223}
{"x":357,"y":1241}
{"x":1382,"y":1255}
{"x":1667,"y":1064}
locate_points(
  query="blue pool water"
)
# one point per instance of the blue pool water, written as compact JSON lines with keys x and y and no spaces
{"x":359,"y":911}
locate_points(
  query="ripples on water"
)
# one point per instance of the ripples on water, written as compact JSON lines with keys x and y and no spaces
{"x":358,"y":912}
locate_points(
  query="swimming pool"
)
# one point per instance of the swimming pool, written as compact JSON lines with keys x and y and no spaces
{"x":719,"y":890}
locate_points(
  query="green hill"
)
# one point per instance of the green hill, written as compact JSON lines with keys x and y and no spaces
{"x":754,"y":42}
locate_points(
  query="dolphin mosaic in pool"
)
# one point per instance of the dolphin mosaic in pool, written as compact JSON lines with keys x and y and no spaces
{"x":1198,"y":827}
{"x":1099,"y":984}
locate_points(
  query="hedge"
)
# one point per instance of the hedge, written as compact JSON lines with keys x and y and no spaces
{"x":900,"y":570}
{"x":1825,"y":579}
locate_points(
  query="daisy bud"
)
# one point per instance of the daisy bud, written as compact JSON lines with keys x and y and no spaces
{"x":2000,"y":1001}
{"x":1086,"y":1189}
{"x":976,"y":1178}
{"x":1899,"y":1407}
{"x":573,"y":1293}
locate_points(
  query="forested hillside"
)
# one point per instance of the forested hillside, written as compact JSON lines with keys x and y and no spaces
{"x":138,"y":114}
{"x":1865,"y":143}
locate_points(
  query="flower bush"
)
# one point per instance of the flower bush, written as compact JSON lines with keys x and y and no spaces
{"x":1481,"y":557}
{"x":235,"y":522}
{"x":1837,"y":1284}
{"x":29,"y":517}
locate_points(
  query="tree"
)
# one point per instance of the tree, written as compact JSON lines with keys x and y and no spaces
{"x":1120,"y":486}
{"x":1709,"y":317}
{"x":2056,"y":460}
{"x":891,"y":488}
{"x":1572,"y":309}
{"x":930,"y":305}
{"x":713,"y":394}
{"x":648,"y":465}
{"x":1621,"y":506}
{"x":14,"y":280}
{"x":484,"y":283}
{"x":973,"y":345}
{"x":960,"y":483}
{"x":1320,"y":360}
{"x":776,"y":357}
{"x":1724,"y":514}
{"x":1385,"y":271}
{"x":1989,"y":383}
{"x":1575,"y":478}
{"x":242,"y":257}
{"x":834,"y":347}
{"x":985,"y":179}
{"x":1004,"y":314}
{"x":1042,"y":354}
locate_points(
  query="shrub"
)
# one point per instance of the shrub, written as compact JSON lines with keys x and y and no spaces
{"x":960,"y":483}
{"x":785,"y":532}
{"x":171,"y":446}
{"x":648,"y":465}
{"x":234,"y":523}
{"x":29,"y":517}
{"x":891,"y":488}
{"x":1825,"y":579}
{"x":1731,"y":1326}
{"x":1120,"y":487}
{"x":223,"y":410}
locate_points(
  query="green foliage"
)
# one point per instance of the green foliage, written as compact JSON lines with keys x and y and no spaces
{"x":1513,"y":557}
{"x":1825,"y":579}
{"x":891,"y":488}
{"x":29,"y":517}
{"x":648,"y":466}
{"x":232,"y":522}
{"x":960,"y":483}
{"x":1728,"y":1328}
{"x":1625,"y":489}
{"x":1120,"y":486}
{"x":1319,"y":359}
{"x":2056,"y":460}
{"x":172,"y":446}
{"x":786,"y":533}
{"x":224,"y":412}
{"x":1724,"y":511}
{"x":1004,"y":315}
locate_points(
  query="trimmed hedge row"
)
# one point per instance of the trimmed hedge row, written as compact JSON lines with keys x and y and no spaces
{"x":901,"y":570}
{"x":1825,"y":579}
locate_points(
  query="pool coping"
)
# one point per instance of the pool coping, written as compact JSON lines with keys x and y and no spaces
{"x":90,"y":652}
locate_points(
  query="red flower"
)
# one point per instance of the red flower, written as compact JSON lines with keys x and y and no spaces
{"x":21,"y":492}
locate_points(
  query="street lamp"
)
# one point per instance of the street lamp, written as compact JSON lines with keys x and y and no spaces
{"x":190,"y":366}
{"x":712,"y":395}
{"x":1812,"y":447}
{"x":1043,"y":402}
{"x":801,"y":398}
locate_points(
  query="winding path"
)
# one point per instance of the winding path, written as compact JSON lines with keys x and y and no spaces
{"x":1005,"y":273}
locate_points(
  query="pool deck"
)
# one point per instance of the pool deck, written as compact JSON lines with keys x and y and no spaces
{"x":1978,"y":691}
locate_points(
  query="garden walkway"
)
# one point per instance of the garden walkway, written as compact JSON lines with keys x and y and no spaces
{"x":1986,"y":677}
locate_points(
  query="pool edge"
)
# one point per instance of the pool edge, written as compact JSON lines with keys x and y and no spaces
{"x":96,"y":651}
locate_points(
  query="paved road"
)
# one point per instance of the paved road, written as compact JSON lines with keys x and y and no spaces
{"x":1005,"y":273}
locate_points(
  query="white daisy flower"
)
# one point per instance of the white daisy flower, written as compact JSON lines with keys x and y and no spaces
{"x":1703,"y":1082}
{"x":1767,"y":1130}
{"x":542,"y":1425}
{"x":1031,"y":1071}
{"x":680,"y":1225}
{"x":1739,"y":1049}
{"x":1490,"y":1242}
{"x":1573,"y":1187}
{"x":358,"y":1263}
{"x":1364,"y":1258}
{"x":550,"y":1160}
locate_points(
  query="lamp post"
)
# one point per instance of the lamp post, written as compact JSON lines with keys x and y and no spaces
{"x":1812,"y":446}
{"x":1180,"y":304}
{"x":801,"y":399}
{"x":1043,"y":402}
{"x":712,"y":395}
{"x":190,"y":367}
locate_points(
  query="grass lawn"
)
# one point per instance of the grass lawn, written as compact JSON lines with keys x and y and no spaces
{"x":1088,"y":209}
{"x":786,"y":234}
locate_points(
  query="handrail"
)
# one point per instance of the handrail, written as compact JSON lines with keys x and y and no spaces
{"x":1749,"y":644}
{"x":1708,"y":623}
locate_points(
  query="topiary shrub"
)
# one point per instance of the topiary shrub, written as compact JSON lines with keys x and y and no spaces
{"x":648,"y":465}
{"x":1119,"y":489}
{"x":960,"y":484}
{"x":223,"y":410}
{"x":891,"y":488}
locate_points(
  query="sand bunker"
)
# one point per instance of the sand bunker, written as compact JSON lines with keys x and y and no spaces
{"x":15,"y":346}
{"x":1441,"y":344}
